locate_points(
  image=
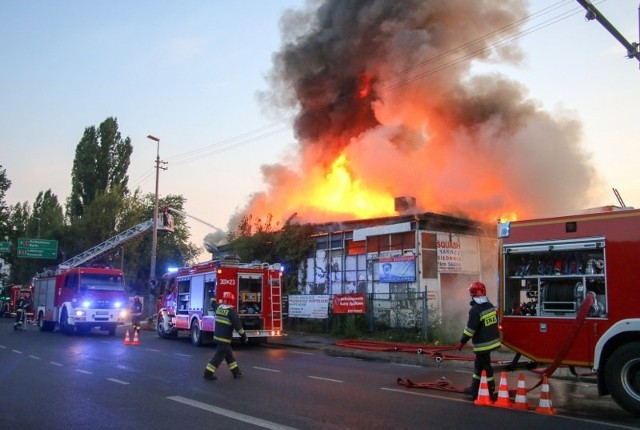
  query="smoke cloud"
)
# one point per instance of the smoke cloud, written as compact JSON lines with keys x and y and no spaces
{"x":389,"y":85}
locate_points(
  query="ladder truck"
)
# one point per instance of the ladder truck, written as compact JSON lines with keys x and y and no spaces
{"x":77,"y":298}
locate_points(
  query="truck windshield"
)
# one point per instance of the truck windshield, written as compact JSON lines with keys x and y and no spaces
{"x":101,"y":282}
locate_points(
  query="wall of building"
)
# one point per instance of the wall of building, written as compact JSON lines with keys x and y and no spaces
{"x":400,"y":264}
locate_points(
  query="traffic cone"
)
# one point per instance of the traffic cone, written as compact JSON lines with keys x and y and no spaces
{"x":136,"y":339}
{"x":483,"y":393}
{"x":127,"y":339}
{"x":503,"y":400}
{"x":521,"y":401}
{"x":545,"y":406}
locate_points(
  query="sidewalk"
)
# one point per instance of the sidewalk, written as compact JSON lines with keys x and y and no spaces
{"x":327,"y":344}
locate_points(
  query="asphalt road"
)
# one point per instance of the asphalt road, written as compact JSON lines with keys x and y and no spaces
{"x":53,"y":381}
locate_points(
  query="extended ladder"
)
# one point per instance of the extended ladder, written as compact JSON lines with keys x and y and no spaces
{"x":107,"y":245}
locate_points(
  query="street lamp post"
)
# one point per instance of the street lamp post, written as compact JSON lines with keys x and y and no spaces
{"x":154,"y":240}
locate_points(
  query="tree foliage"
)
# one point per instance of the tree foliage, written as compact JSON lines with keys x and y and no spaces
{"x":100,"y":166}
{"x":5,"y":184}
{"x":259,"y":240}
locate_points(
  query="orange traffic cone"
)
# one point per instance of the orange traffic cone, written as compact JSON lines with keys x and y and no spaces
{"x":127,"y":339}
{"x":521,"y":395}
{"x":136,"y":339}
{"x":483,"y":393}
{"x":545,"y":406}
{"x":503,"y":400}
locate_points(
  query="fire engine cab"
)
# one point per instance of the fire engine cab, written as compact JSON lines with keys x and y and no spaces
{"x":569,"y":296}
{"x":80,"y":299}
{"x":253,"y":289}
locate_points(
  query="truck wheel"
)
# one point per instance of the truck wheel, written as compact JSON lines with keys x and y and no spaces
{"x":196,"y":338}
{"x":41,"y":322}
{"x":64,"y":325}
{"x":623,"y":377}
{"x":112,"y":329}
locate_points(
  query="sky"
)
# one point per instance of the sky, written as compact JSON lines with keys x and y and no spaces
{"x":191,"y":74}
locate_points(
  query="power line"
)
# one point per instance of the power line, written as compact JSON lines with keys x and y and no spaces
{"x":411,"y":74}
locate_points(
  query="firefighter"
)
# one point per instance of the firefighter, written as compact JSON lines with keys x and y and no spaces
{"x":482,"y":328}
{"x":136,"y":313}
{"x":226,"y":322}
{"x":22,"y":305}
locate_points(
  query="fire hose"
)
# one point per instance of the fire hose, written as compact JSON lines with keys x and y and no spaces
{"x":439,"y":353}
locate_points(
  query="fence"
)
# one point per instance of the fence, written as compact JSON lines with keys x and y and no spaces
{"x":399,"y":310}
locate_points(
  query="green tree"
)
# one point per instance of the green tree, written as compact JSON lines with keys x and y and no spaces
{"x":289,"y":246}
{"x":5,"y":225}
{"x":45,"y":220}
{"x":173,"y":248}
{"x":5,"y":184}
{"x":100,"y":165}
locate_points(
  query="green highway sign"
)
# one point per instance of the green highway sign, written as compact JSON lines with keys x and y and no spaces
{"x":5,"y":246}
{"x":37,"y":248}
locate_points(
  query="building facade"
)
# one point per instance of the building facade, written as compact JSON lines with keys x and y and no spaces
{"x":414,"y":269}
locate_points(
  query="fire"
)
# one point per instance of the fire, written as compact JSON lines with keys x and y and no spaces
{"x":339,"y":193}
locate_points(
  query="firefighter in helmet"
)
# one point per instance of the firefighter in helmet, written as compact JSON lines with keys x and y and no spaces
{"x":482,"y":329}
{"x":22,"y":305}
{"x":136,"y":313}
{"x":226,"y":322}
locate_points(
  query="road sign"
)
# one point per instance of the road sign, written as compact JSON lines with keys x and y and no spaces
{"x":5,"y":246}
{"x":37,"y":248}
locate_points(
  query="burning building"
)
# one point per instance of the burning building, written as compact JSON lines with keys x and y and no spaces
{"x":387,"y":103}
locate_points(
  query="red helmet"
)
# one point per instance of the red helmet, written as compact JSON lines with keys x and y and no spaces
{"x":477,"y":289}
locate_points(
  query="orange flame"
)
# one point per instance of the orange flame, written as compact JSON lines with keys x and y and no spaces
{"x":339,"y":193}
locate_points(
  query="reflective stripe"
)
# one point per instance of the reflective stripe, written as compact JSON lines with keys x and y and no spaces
{"x":222,"y":339}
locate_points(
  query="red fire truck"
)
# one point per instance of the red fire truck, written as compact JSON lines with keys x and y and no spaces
{"x":569,"y":296}
{"x":253,"y":289}
{"x":14,"y":294}
{"x":80,"y":298}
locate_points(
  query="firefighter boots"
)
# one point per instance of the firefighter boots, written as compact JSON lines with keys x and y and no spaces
{"x":236,"y":372}
{"x":472,"y":391}
{"x":209,"y":375}
{"x":492,"y":391}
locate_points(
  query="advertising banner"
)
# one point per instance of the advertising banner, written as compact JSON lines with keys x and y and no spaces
{"x":398,"y":269}
{"x":309,"y":306}
{"x":348,"y":304}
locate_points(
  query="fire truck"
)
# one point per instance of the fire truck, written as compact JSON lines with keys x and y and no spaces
{"x":9,"y":308}
{"x":253,"y":289}
{"x":569,"y":297}
{"x":80,"y":299}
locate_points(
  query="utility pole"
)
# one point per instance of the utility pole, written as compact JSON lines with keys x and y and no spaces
{"x":154,"y":241}
{"x":633,"y":49}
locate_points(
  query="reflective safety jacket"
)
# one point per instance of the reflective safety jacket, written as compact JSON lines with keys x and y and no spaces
{"x":482,"y":328}
{"x":226,"y":321}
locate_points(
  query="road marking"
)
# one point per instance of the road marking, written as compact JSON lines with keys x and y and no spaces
{"x":35,"y":357}
{"x":302,"y":352}
{"x":230,"y":414}
{"x":182,"y":355}
{"x":83,"y":371}
{"x":16,"y":351}
{"x":405,"y":365}
{"x":3,"y":347}
{"x":117,"y":381}
{"x":266,"y":369}
{"x":152,"y":349}
{"x":433,"y":396}
{"x":55,"y":363}
{"x":325,"y":379}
